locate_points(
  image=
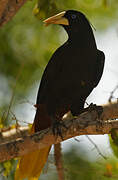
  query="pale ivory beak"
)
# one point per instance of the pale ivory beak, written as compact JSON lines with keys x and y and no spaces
{"x":57,"y":19}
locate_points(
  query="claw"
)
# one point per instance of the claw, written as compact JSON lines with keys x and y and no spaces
{"x":98,"y":109}
{"x":57,"y":128}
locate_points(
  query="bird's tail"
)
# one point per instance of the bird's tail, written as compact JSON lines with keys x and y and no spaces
{"x":31,"y":164}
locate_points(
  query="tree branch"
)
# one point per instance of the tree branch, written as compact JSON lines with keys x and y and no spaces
{"x":8,"y":8}
{"x":85,"y":124}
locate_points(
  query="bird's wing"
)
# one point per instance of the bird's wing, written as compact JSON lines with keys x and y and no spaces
{"x":51,"y":74}
{"x":99,"y":67}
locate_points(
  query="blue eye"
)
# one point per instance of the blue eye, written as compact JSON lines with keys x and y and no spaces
{"x":73,"y":16}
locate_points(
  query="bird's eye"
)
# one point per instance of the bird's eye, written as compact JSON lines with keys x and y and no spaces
{"x":73,"y":16}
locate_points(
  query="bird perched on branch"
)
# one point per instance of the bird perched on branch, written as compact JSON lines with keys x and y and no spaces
{"x":73,"y":71}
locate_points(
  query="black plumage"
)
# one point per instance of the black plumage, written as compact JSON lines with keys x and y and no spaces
{"x":73,"y":71}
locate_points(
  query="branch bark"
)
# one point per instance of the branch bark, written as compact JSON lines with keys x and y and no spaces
{"x":20,"y":142}
{"x":59,"y":161}
{"x":8,"y":8}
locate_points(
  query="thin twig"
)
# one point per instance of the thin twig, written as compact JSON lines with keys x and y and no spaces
{"x":76,"y":139}
{"x":96,"y":147}
{"x":14,"y":89}
{"x":111,"y":94}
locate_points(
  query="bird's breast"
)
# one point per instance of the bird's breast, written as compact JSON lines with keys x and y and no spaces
{"x":79,"y":62}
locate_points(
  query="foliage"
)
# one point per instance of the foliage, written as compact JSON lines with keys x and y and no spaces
{"x":77,"y":167}
{"x":25,"y":48}
{"x":113,"y":139}
{"x":26,"y":45}
{"x":101,"y":12}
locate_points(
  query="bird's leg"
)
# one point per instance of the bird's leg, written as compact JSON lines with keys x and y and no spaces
{"x":58,"y":124}
{"x":99,"y":110}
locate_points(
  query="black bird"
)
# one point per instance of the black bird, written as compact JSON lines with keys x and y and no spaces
{"x":73,"y":71}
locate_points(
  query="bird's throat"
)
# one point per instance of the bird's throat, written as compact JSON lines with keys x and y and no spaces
{"x":82,"y":41}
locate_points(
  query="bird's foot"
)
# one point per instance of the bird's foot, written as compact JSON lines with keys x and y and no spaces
{"x":57,"y":128}
{"x":94,"y":107}
{"x":99,"y":110}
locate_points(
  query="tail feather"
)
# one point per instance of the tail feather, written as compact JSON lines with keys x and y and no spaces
{"x":31,"y":164}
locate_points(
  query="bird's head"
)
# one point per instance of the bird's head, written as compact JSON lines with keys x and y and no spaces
{"x":73,"y":22}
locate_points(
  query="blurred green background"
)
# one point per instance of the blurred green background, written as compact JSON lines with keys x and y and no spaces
{"x":25,"y":48}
